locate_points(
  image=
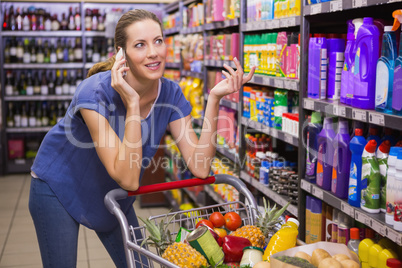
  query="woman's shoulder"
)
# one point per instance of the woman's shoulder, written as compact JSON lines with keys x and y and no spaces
{"x":170,"y":86}
{"x":91,"y":87}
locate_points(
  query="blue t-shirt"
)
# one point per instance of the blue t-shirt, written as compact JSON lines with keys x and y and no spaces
{"x":67,"y":159}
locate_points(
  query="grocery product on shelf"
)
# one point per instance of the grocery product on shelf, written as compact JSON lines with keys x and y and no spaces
{"x":335,"y":55}
{"x":382,"y":157}
{"x":397,"y":85}
{"x":398,"y":194}
{"x":313,"y":129}
{"x":317,"y":68}
{"x":354,"y":241}
{"x":371,"y":179}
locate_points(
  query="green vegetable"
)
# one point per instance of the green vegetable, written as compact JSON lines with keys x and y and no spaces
{"x":296,"y":261}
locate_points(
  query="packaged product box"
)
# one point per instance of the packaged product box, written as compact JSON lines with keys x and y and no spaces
{"x":331,"y":248}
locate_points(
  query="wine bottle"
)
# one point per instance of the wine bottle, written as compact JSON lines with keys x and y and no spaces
{"x":89,"y":49}
{"x":103,"y":54}
{"x":30,"y":88}
{"x":50,"y":83}
{"x":65,"y":51}
{"x":38,"y":115}
{"x":88,"y":19}
{"x":26,"y":22}
{"x":26,"y":58}
{"x":95,"y":20}
{"x":7,"y":56}
{"x":65,"y":85}
{"x":46,"y":52}
{"x":18,"y":20}
{"x":77,"y":18}
{"x":79,"y":77}
{"x":53,"y":54}
{"x":71,"y":20}
{"x":9,"y":86}
{"x":45,"y":115}
{"x":59,"y":84}
{"x":55,"y":23}
{"x":52,"y":114}
{"x":101,"y":22}
{"x":70,"y":51}
{"x":20,"y":51}
{"x":78,"y":50}
{"x":22,"y":85}
{"x":96,"y":54}
{"x":40,"y":55}
{"x":41,"y":19}
{"x":32,"y":116}
{"x":73,"y":85}
{"x":44,"y":89}
{"x":60,"y":111}
{"x":64,"y":22}
{"x":17,"y":115}
{"x":10,"y":115}
{"x":24,"y":115}
{"x":11,"y":19}
{"x":36,"y":84}
{"x":48,"y":22}
{"x":59,"y":51}
{"x":13,"y":50}
{"x":6,"y":25}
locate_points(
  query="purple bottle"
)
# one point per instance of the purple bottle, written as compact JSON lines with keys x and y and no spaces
{"x":341,"y":166}
{"x":336,"y":49}
{"x":367,"y":54}
{"x":349,"y":59}
{"x":325,"y":154}
{"x":317,"y":68}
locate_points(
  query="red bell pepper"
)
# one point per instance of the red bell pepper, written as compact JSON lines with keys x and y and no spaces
{"x":233,"y":247}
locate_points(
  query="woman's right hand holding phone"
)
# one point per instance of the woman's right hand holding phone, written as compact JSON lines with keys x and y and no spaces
{"x":127,"y":93}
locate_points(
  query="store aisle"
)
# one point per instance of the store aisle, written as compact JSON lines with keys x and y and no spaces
{"x":18,"y":242}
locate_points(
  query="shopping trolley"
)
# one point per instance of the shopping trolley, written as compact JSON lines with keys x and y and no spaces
{"x":133,"y":236}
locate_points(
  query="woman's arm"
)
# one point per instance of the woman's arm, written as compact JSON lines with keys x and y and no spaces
{"x":199,"y":153}
{"x":122,"y":159}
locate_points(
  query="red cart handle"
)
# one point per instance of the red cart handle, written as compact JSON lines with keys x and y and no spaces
{"x":160,"y":187}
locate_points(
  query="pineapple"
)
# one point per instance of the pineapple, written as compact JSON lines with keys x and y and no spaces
{"x":180,"y":253}
{"x":265,"y":223}
{"x":184,"y":255}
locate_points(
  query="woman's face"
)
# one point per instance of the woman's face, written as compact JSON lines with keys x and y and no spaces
{"x":146,"y":50}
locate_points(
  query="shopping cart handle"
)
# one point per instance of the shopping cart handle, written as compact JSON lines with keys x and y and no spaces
{"x":160,"y":187}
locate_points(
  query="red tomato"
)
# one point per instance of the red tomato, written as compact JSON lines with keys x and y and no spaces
{"x":217,"y":219}
{"x":206,"y":223}
{"x":232,"y":221}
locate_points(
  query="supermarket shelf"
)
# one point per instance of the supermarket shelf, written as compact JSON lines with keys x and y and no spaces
{"x":339,"y":5}
{"x":277,"y":198}
{"x":219,"y":63}
{"x":228,"y":154}
{"x":278,"y":82}
{"x":173,"y":65}
{"x":171,"y":201}
{"x":192,"y":30}
{"x":271,"y":24}
{"x":368,"y":116}
{"x":42,"y":33}
{"x":214,"y":195}
{"x":174,"y":30}
{"x":19,"y":165}
{"x":227,"y":103}
{"x":172,"y":7}
{"x":95,"y":34}
{"x":27,"y":129}
{"x":216,"y":25}
{"x":38,"y":98}
{"x":276,"y":133}
{"x":70,"y":65}
{"x":374,"y":221}
{"x":192,"y":74}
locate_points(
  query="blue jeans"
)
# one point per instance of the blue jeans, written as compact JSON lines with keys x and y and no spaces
{"x":57,"y":231}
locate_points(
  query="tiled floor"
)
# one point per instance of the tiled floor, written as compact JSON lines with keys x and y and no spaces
{"x":18,"y":242}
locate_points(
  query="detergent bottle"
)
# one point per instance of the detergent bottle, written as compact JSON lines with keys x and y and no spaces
{"x":367,"y":54}
{"x":371,"y":179}
{"x":313,"y":129}
{"x":374,"y":253}
{"x":382,"y":157}
{"x":364,"y":248}
{"x":397,"y":85}
{"x":283,"y":239}
{"x":398,"y":193}
{"x":317,"y":68}
{"x":349,"y":59}
{"x":390,"y":186}
{"x":374,"y":135}
{"x":356,"y":146}
{"x":325,"y":154}
{"x":385,"y":72}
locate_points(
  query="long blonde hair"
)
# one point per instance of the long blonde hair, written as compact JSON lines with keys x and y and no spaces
{"x":120,"y":36}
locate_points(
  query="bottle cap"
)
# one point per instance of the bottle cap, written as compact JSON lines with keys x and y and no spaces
{"x":394,"y":263}
{"x":354,"y":233}
{"x":359,"y":132}
{"x":315,"y":117}
{"x":294,"y":221}
{"x":373,"y":131}
{"x":388,"y":29}
{"x":394,"y":151}
{"x":371,"y":146}
{"x":385,"y":147}
{"x":399,"y":157}
{"x":357,"y":23}
{"x":397,"y":14}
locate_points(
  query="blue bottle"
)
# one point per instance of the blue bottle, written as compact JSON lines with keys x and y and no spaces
{"x":313,"y":129}
{"x":385,"y":72}
{"x":357,"y":144}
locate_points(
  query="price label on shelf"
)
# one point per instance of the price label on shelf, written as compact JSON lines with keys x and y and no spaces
{"x":305,"y":186}
{"x":278,"y":83}
{"x":288,"y":138}
{"x":275,"y":24}
{"x":335,"y":6}
{"x":342,"y":111}
{"x":292,"y":85}
{"x":394,"y":236}
{"x":315,"y":9}
{"x":363,"y":218}
{"x":336,"y":110}
{"x":378,"y":227}
{"x":308,"y":104}
{"x":266,"y":80}
{"x":249,"y":26}
{"x":359,"y":3}
{"x":359,"y":115}
{"x":317,"y":192}
{"x":376,"y":118}
{"x":329,"y":109}
{"x":347,"y":209}
{"x":274,"y":132}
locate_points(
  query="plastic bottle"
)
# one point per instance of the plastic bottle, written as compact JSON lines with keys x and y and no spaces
{"x":308,"y":218}
{"x":397,"y":85}
{"x":388,"y":136}
{"x":349,"y":58}
{"x":385,"y":72}
{"x":364,"y":248}
{"x":336,"y":50}
{"x":317,"y":68}
{"x":367,"y":43}
{"x":354,"y":241}
{"x":325,"y":154}
{"x":384,"y":255}
{"x":356,"y":146}
{"x":313,"y":129}
{"x":341,"y":163}
{"x":374,"y":252}
{"x":349,"y":93}
{"x":374,"y":135}
{"x":335,"y":218}
{"x":398,"y":194}
{"x":345,"y":223}
{"x":390,"y":186}
{"x":316,"y":220}
{"x":382,"y":158}
{"x":283,"y":239}
{"x":371,"y":179}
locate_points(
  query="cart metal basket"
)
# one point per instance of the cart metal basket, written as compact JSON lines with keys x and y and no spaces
{"x":138,"y":256}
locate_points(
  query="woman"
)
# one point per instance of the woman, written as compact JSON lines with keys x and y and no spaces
{"x":110,"y":132}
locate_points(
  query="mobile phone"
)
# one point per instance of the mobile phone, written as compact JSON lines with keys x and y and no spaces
{"x":124,"y":64}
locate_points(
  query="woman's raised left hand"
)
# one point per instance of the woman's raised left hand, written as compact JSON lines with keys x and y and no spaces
{"x":233,"y":81}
